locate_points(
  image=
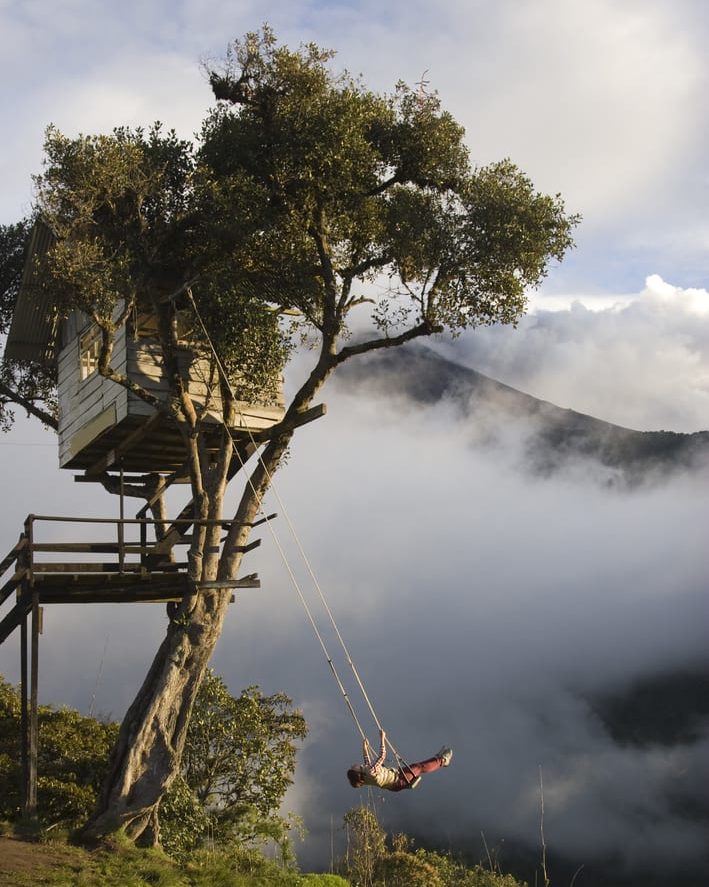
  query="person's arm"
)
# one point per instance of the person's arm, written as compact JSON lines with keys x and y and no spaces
{"x":382,"y":750}
{"x":366,"y":752}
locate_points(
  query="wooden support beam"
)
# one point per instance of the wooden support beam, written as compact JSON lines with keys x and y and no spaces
{"x":246,"y":582}
{"x":12,"y":556}
{"x":296,"y":421}
{"x":181,"y":526}
{"x":111,"y":595}
{"x":249,"y":547}
{"x":31,"y":805}
{"x":24,"y":715}
{"x":263,"y":520}
{"x":14,"y":618}
{"x":12,"y":584}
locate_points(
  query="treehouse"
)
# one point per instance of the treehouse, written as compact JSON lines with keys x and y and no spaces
{"x":104,"y":426}
{"x":100,"y":421}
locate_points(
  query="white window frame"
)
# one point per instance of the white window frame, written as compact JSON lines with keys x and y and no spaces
{"x":89,"y":351}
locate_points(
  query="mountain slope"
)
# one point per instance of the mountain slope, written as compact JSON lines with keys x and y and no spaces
{"x":551,"y":437}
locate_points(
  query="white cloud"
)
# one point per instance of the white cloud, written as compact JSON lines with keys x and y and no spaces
{"x":640,"y":360}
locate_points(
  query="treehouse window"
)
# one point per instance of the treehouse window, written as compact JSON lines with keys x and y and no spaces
{"x":89,"y":350}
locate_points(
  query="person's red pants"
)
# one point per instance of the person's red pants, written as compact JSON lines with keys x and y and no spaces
{"x":409,"y":772}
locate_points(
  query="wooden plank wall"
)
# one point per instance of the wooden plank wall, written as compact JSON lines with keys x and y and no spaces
{"x":145,"y":366}
{"x":83,"y":401}
{"x":93,"y":404}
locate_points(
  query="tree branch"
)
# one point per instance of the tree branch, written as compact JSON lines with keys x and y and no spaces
{"x":423,"y":329}
{"x":16,"y":398}
{"x":383,"y":186}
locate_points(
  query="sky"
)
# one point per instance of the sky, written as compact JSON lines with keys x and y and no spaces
{"x":485,"y":605}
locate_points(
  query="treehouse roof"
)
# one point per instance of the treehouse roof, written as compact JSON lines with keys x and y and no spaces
{"x":34,"y":327}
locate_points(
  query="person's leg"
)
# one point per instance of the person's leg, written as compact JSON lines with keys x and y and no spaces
{"x":408,"y":773}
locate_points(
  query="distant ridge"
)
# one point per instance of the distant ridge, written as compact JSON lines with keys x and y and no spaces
{"x":551,"y":437}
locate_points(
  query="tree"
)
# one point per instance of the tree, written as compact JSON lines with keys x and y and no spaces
{"x":26,"y":384}
{"x":366,"y":846}
{"x":307,"y":194}
{"x":237,"y":763}
{"x":74,"y":752}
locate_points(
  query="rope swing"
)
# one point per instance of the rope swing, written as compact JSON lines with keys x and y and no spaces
{"x":316,"y":585}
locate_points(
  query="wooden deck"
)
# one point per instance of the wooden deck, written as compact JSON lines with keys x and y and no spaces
{"x":98,"y":572}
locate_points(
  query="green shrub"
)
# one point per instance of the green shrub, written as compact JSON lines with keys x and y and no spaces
{"x":324,"y":880}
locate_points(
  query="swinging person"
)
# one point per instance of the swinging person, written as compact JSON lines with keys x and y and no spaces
{"x":390,"y":778}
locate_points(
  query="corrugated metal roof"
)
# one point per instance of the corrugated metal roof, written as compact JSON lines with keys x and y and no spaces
{"x":34,"y":327}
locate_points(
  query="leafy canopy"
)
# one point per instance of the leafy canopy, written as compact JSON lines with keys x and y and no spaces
{"x":356,"y":187}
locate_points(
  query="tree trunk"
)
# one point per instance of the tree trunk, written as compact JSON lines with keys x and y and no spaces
{"x":149,"y":747}
{"x":148,"y":751}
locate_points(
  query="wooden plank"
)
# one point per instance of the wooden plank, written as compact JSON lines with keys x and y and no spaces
{"x":264,"y":520}
{"x":53,"y":581}
{"x":12,"y":584}
{"x":300,"y":419}
{"x":85,"y":567}
{"x":12,"y":556}
{"x":249,"y":547}
{"x":246,"y":582}
{"x":31,"y":805}
{"x":94,"y":547}
{"x":14,"y":618}
{"x":111,"y":596}
{"x":135,"y":437}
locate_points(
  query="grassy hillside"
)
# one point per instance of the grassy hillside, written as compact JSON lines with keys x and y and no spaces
{"x":26,"y":864}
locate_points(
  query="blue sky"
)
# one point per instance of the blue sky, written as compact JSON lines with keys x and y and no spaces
{"x":505,"y":581}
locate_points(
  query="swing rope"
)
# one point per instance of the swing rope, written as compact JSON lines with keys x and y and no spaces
{"x":400,"y":760}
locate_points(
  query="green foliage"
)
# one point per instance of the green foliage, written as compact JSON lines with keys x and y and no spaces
{"x":184,"y":822}
{"x":366,"y":846}
{"x":72,"y":757}
{"x":239,"y":761}
{"x":20,"y":382}
{"x":355,"y":185}
{"x":324,"y":880}
{"x":13,"y":245}
{"x":399,"y":869}
{"x":239,"y":755}
{"x":453,"y":873}
{"x":369,"y":862}
{"x":134,"y":215}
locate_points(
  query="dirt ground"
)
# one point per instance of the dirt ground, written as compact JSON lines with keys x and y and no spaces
{"x":18,"y":859}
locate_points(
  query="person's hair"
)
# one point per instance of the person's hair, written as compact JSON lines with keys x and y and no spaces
{"x":355,"y":778}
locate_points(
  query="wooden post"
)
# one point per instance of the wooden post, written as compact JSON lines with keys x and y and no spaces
{"x":30,"y":795}
{"x":121,"y":527}
{"x":24,"y":721}
{"x":31,"y":807}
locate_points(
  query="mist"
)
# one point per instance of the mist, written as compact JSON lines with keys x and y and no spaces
{"x":486,"y":606}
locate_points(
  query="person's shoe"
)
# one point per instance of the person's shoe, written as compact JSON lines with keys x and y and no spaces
{"x":446,"y":755}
